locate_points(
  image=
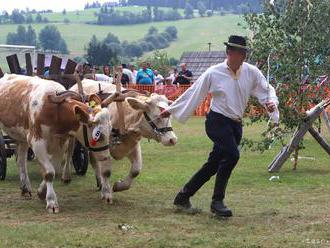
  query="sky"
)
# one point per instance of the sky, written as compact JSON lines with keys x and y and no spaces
{"x":55,"y":5}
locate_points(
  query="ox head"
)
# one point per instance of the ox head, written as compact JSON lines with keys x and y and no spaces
{"x":152,"y":126}
{"x":93,"y":121}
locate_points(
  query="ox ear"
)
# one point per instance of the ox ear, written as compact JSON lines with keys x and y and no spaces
{"x":95,"y":98}
{"x":81,"y":114}
{"x":137,"y":104}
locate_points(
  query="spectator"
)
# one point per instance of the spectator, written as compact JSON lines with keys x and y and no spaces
{"x":106,"y":70}
{"x":158,"y":77}
{"x":124,"y":77}
{"x":171,"y":78}
{"x":134,"y":72}
{"x":127,"y":72}
{"x":145,"y":75}
{"x":105,"y":76}
{"x":185,"y":76}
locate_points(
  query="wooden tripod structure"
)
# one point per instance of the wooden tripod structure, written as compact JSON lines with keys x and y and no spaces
{"x":301,"y":130}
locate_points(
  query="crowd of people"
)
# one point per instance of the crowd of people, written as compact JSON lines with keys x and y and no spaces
{"x":144,"y":75}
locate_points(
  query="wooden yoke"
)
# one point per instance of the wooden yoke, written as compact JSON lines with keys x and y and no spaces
{"x":121,"y":118}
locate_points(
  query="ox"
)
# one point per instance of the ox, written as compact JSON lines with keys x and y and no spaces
{"x":142,"y":119}
{"x":41,"y":114}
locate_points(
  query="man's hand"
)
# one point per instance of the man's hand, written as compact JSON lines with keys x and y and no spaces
{"x":165,"y":114}
{"x":270,"y":106}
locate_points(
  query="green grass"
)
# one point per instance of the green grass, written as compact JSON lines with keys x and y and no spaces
{"x":193,"y":35}
{"x":291,"y":213}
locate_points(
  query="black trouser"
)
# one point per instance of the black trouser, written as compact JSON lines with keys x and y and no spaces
{"x":226,"y":135}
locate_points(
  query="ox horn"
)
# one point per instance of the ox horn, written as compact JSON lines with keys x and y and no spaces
{"x":60,"y":97}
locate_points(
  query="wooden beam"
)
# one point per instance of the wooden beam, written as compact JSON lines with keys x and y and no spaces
{"x":1,"y":73}
{"x":121,"y":118}
{"x":70,"y":67}
{"x":40,"y":64}
{"x":13,"y":64}
{"x":298,"y":135}
{"x":28,"y":61}
{"x":326,"y":119}
{"x":319,"y":139}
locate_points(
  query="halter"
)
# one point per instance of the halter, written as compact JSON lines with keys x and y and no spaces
{"x":86,"y":141}
{"x":158,"y":131}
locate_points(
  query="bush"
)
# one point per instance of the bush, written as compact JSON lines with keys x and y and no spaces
{"x":50,"y":39}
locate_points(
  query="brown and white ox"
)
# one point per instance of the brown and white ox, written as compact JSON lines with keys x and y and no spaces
{"x":142,"y":119}
{"x":41,"y":114}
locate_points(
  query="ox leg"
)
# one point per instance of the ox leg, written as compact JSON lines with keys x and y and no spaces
{"x":103,"y":170}
{"x":40,"y":149}
{"x":96,"y":169}
{"x":25,"y":186}
{"x":66,"y":173}
{"x":136,"y":165}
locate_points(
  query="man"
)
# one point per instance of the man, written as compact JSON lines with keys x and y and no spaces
{"x":145,"y":75}
{"x":127,"y":72}
{"x":231,"y":83}
{"x":158,"y":77}
{"x":185,"y":76}
{"x":134,"y":73}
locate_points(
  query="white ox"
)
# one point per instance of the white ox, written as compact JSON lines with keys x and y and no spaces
{"x":142,"y":119}
{"x":35,"y":115}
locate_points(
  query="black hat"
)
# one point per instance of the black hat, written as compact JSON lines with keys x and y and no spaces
{"x":237,"y":42}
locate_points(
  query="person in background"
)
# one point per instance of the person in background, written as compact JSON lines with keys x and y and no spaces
{"x":145,"y":75}
{"x":134,"y":72}
{"x":171,"y":78}
{"x":107,"y":70}
{"x":158,"y":77}
{"x":127,"y":72}
{"x":185,"y":76}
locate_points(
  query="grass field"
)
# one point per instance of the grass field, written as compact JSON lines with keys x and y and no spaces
{"x":193,"y":35}
{"x":294,"y":212}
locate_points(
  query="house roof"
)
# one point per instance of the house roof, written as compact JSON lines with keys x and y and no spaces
{"x":198,"y":62}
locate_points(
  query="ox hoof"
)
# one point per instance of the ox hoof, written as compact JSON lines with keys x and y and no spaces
{"x":52,"y":207}
{"x":66,"y":180}
{"x":120,"y":186}
{"x":42,"y":193}
{"x":26,"y":193}
{"x":107,"y":198}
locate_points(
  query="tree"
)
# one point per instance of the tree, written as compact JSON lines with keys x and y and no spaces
{"x":152,"y":30}
{"x":22,"y":37}
{"x":188,"y":11}
{"x":111,"y":38}
{"x":99,"y":53}
{"x":38,"y":18}
{"x":293,"y":34}
{"x":172,"y":31}
{"x":29,"y":18}
{"x":64,"y":12}
{"x":50,"y":39}
{"x":133,"y":49}
{"x":201,"y":8}
{"x":17,"y":17}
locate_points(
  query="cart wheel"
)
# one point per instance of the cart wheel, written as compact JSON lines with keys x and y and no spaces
{"x":30,"y":155}
{"x":80,"y":159}
{"x":3,"y":158}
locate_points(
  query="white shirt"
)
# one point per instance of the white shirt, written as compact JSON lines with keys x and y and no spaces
{"x":129,"y":73}
{"x":230,"y":92}
{"x":102,"y":77}
{"x":158,"y":78}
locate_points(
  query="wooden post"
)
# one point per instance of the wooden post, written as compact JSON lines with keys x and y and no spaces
{"x":121,"y":117}
{"x":1,"y":73}
{"x":28,"y":61}
{"x":70,"y":68}
{"x":319,"y":139}
{"x":326,"y":119}
{"x":298,"y":135}
{"x":13,"y":64}
{"x":40,"y":64}
{"x":55,"y":68}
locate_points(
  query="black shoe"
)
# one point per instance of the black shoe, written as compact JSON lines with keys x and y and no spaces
{"x":219,"y":209}
{"x":182,"y":201}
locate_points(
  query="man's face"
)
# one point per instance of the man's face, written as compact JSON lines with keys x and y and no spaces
{"x":236,"y":57}
{"x":183,"y":67}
